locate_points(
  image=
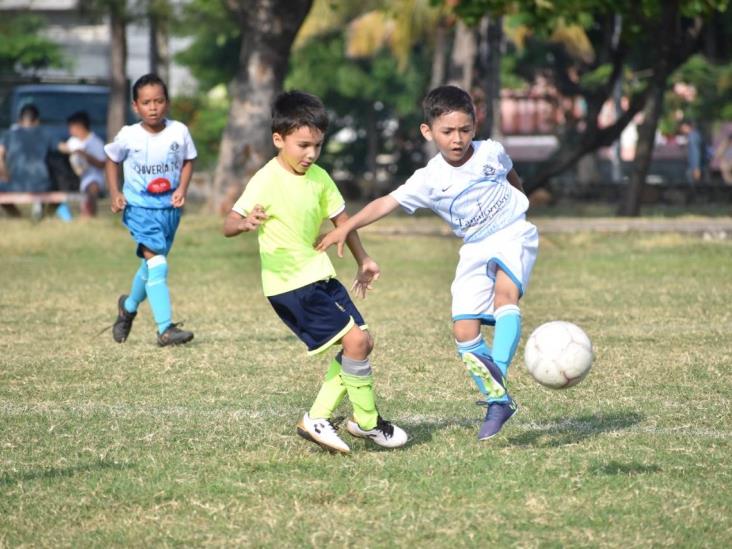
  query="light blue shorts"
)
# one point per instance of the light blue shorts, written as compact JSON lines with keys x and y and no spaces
{"x":153,"y":228}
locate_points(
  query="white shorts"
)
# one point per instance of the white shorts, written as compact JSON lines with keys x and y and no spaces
{"x":513,"y":249}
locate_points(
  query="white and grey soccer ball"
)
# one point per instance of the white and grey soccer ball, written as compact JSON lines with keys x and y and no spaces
{"x":558,"y":354}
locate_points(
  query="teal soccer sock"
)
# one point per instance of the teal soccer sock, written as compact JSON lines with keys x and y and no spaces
{"x":476,"y":346}
{"x":157,"y":291}
{"x":137,"y":292}
{"x":506,"y":335}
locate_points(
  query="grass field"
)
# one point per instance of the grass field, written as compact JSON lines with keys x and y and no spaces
{"x":104,"y":444}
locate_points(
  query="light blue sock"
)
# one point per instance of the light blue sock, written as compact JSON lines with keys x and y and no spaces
{"x":63,"y":212}
{"x":137,"y":292}
{"x":476,"y":346}
{"x":157,"y":291}
{"x":506,"y":335}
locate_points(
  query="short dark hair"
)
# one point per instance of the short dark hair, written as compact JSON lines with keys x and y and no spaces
{"x":446,"y":99}
{"x":149,"y":79}
{"x":29,"y":110}
{"x":80,"y":117}
{"x":295,"y":109}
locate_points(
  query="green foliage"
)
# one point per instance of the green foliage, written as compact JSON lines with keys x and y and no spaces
{"x":713,"y":99}
{"x":213,"y":55}
{"x":206,"y":119}
{"x":597,"y":77}
{"x":360,"y":92}
{"x":22,"y":48}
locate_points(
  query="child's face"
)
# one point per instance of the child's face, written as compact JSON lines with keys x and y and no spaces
{"x":78,"y":131}
{"x":151,"y":105}
{"x":299,"y":149}
{"x":453,"y":134}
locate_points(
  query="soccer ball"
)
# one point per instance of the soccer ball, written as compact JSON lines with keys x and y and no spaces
{"x":78,"y":163}
{"x":558,"y":354}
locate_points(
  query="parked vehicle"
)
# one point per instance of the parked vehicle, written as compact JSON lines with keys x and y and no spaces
{"x":56,"y":102}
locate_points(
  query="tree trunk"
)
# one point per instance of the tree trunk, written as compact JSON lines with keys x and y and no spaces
{"x":491,"y":38}
{"x":118,"y":70}
{"x":631,"y":204}
{"x":159,"y":44}
{"x":439,"y":55}
{"x":578,"y":144}
{"x":668,"y":49}
{"x":462,"y":60}
{"x":268,"y":29}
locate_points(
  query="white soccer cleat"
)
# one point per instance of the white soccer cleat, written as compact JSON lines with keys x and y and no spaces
{"x":323,"y":433}
{"x":385,"y":433}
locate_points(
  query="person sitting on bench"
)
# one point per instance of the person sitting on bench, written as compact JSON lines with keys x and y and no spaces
{"x":23,"y":152}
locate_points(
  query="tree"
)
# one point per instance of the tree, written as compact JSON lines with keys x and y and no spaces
{"x":116,"y":112}
{"x":120,"y":13}
{"x":23,"y":48}
{"x":579,"y":46}
{"x":213,"y":55}
{"x":159,"y":15}
{"x":268,"y":29}
{"x":375,"y":102}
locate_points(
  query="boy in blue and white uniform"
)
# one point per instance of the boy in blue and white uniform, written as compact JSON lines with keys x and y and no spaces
{"x":157,"y":157}
{"x":472,"y":186}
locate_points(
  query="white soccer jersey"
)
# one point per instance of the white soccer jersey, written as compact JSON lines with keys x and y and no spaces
{"x":151,"y":161}
{"x":94,"y":146}
{"x":476,"y":199}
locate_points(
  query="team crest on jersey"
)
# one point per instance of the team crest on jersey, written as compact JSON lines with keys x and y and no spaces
{"x":489,"y":170}
{"x":174,"y":146}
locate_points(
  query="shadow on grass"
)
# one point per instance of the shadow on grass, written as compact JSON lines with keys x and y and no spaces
{"x":10,"y":479}
{"x":563,"y":431}
{"x":420,"y":432}
{"x":615,"y":468}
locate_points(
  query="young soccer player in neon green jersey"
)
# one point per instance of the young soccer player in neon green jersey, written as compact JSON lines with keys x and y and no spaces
{"x":286,"y":202}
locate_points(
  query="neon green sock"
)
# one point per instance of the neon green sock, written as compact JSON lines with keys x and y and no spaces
{"x":361,"y":394}
{"x":331,"y":393}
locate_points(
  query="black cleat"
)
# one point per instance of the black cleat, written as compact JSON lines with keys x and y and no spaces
{"x":123,"y":324}
{"x":174,"y":336}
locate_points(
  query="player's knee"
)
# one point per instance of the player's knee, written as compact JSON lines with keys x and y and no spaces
{"x":357,"y":343}
{"x":465,"y":332}
{"x":369,"y":342}
{"x":506,"y":296}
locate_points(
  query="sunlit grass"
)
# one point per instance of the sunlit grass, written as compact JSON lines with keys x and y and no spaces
{"x":105,"y":444}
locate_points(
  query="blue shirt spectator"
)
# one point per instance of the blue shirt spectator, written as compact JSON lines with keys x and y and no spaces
{"x":23,"y":152}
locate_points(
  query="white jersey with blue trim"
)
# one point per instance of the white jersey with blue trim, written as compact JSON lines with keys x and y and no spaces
{"x":151,"y":162}
{"x":476,"y":198}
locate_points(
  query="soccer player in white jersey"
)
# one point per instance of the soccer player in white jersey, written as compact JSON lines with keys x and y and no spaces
{"x":157,"y":157}
{"x":472,"y":186}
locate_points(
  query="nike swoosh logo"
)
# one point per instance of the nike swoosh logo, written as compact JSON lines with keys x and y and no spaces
{"x":443,"y":190}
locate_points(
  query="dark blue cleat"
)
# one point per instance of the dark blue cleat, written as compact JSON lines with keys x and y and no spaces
{"x":498,"y":414}
{"x":485,"y":369}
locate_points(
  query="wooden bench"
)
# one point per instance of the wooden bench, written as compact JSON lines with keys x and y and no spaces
{"x":53,"y":197}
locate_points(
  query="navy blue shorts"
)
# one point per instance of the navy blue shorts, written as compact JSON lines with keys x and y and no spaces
{"x":320,"y":313}
{"x":153,"y":228}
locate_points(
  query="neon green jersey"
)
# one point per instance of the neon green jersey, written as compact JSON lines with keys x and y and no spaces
{"x":296,"y":206}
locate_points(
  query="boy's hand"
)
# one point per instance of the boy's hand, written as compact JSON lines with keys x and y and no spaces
{"x":368,"y":273}
{"x":255,"y":218}
{"x":179,"y":198}
{"x":337,"y":237}
{"x":118,"y":202}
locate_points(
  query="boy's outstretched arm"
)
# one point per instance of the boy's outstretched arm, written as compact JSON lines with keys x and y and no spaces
{"x":373,"y":211}
{"x":236,"y":223}
{"x":368,"y":270}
